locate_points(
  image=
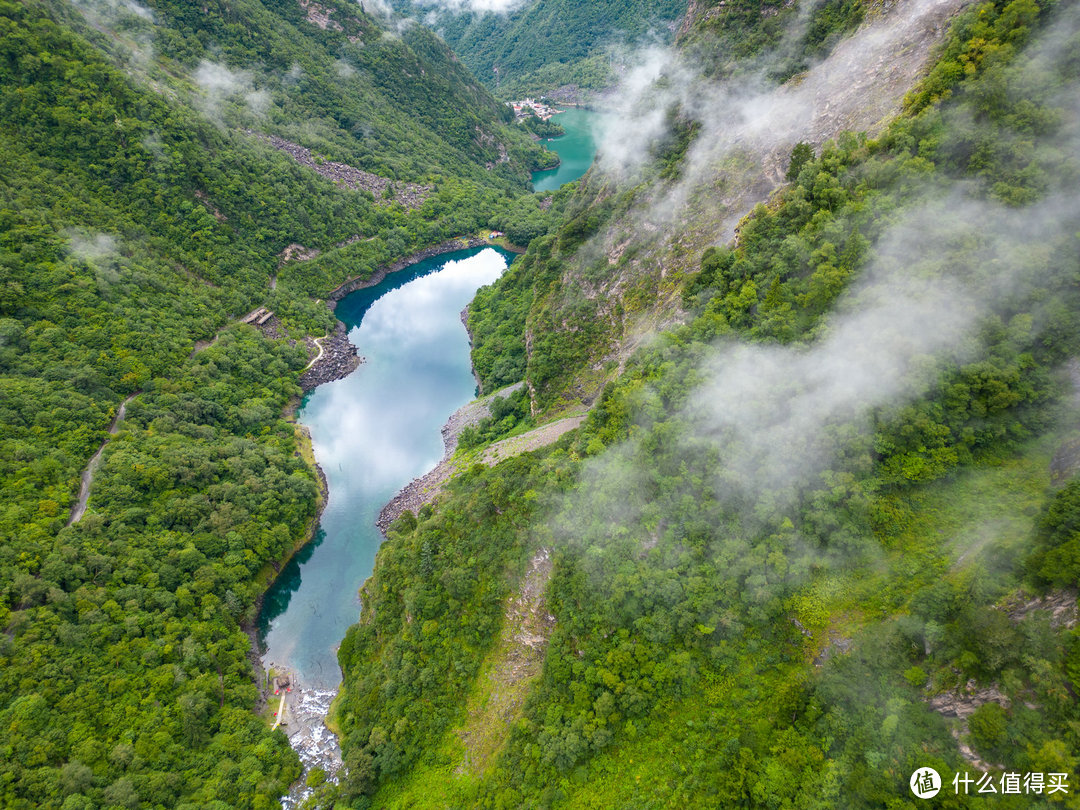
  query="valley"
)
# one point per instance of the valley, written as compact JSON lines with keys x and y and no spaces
{"x":755,"y":483}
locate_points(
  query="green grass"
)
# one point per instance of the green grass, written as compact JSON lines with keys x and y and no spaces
{"x":437,"y":781}
{"x":950,"y":527}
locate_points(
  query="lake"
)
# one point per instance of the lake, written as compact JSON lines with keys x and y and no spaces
{"x":372,"y":433}
{"x":576,"y":149}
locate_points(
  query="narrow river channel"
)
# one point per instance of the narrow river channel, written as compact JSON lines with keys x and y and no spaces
{"x":372,"y":433}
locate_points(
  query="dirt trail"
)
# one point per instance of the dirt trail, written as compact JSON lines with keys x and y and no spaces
{"x":279,"y":715}
{"x":534,"y":439}
{"x":426,"y":488}
{"x":201,"y":345}
{"x":88,"y":474}
{"x":318,"y":357}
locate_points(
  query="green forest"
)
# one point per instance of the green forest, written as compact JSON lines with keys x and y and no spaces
{"x":782,"y":643}
{"x":821,"y":529}
{"x":141,"y":218}
{"x":538,"y":46}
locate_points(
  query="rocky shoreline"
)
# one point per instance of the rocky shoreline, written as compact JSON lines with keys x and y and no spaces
{"x":468,"y":332}
{"x":414,"y":495}
{"x":339,"y":359}
{"x":354,"y":284}
{"x":423,"y":490}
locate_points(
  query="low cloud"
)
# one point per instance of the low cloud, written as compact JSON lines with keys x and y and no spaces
{"x":771,"y":411}
{"x":472,"y":6}
{"x":377,"y":7}
{"x":115,"y":9}
{"x":766,"y":423}
{"x":91,"y":247}
{"x":130,"y":24}
{"x":218,"y":80}
{"x":859,"y":84}
{"x":99,"y":251}
{"x":218,"y":84}
{"x":258,"y":102}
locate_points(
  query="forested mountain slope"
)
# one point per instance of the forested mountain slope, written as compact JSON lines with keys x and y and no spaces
{"x":684,"y":158}
{"x":556,"y":47}
{"x":144,"y":210}
{"x":808,"y":539}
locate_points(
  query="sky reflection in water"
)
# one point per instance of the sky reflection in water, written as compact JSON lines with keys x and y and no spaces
{"x":373,"y":432}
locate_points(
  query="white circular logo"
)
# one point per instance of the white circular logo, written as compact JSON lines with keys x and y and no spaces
{"x":925,"y":783}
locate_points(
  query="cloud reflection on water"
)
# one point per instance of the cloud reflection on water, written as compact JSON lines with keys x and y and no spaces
{"x":373,"y":432}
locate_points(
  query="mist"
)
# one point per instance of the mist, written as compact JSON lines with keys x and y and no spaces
{"x":100,"y":252}
{"x":218,"y":85}
{"x":857,"y":87}
{"x":343,"y":69}
{"x":378,"y":7}
{"x":765,"y":424}
{"x":90,"y":247}
{"x":128,"y":23}
{"x":472,"y":6}
{"x":773,"y":411}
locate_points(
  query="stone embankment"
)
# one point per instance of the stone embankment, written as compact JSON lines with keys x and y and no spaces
{"x":87,"y":477}
{"x":338,"y":360}
{"x":450,"y":245}
{"x":476,"y":375}
{"x":410,"y":195}
{"x":425,"y":488}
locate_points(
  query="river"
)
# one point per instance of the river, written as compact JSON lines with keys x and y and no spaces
{"x":372,"y":433}
{"x":576,"y":149}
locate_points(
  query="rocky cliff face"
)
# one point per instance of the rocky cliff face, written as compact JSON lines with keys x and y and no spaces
{"x":630,"y":272}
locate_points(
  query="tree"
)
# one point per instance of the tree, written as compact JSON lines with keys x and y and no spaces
{"x":801,"y":154}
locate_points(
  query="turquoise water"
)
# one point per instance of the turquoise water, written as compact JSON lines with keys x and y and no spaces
{"x":373,"y":432}
{"x":576,"y":149}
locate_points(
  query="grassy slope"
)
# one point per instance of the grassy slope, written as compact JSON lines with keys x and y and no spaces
{"x":951,"y":529}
